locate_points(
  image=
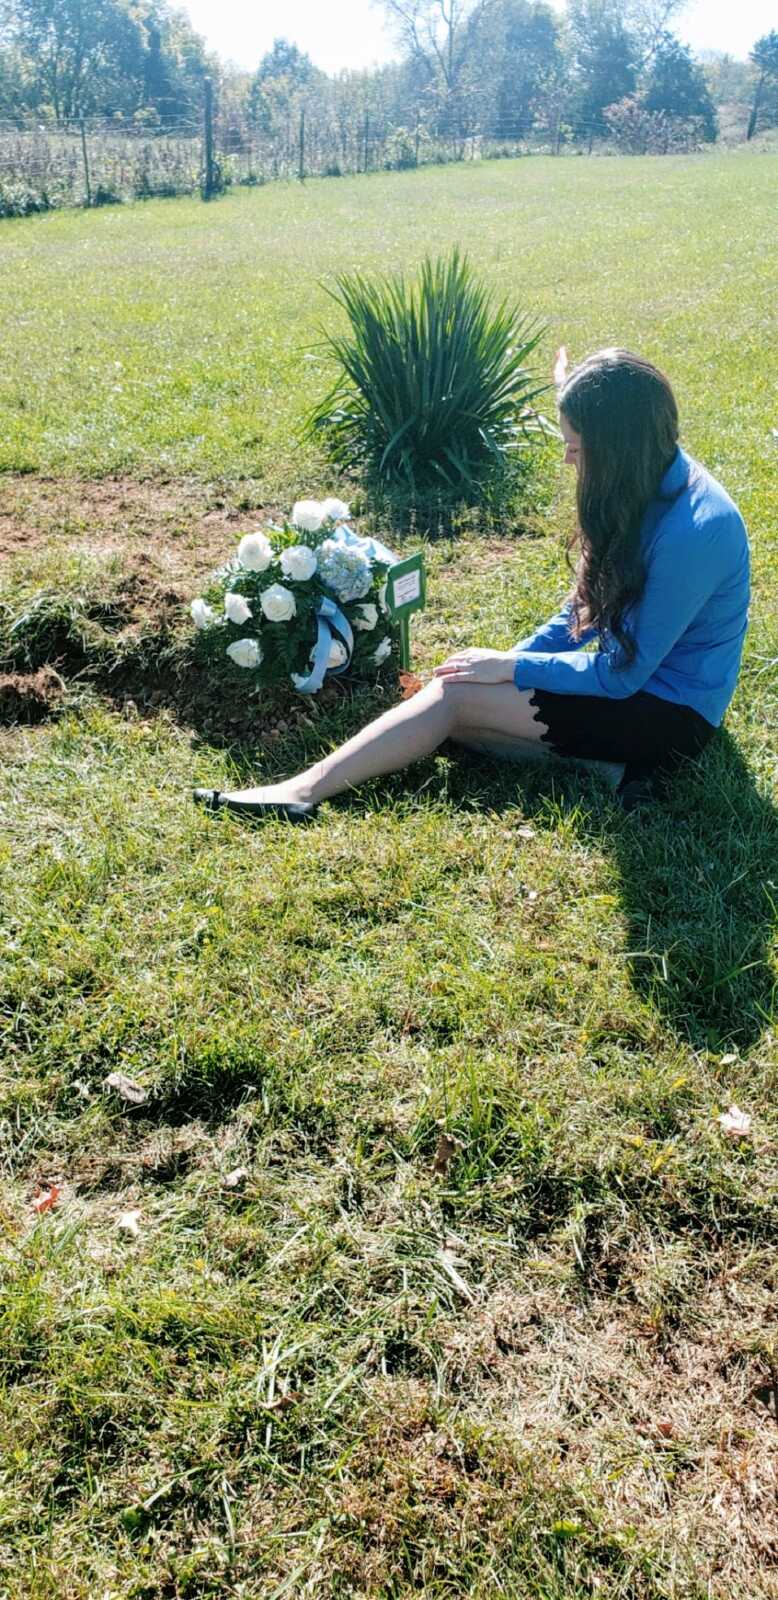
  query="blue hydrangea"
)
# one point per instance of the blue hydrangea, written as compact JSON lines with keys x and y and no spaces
{"x":345,"y":570}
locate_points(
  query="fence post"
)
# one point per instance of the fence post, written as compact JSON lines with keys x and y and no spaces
{"x":87,"y":181}
{"x":208,"y":162}
{"x":301,"y":167}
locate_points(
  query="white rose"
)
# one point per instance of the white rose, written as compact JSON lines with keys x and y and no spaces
{"x":338,"y":654}
{"x":201,"y":613}
{"x":255,"y":552}
{"x":366,"y":617}
{"x":384,"y":650}
{"x":337,"y":509}
{"x":245,"y":653}
{"x":308,"y":514}
{"x":235,"y":608}
{"x":299,"y":562}
{"x":278,"y":603}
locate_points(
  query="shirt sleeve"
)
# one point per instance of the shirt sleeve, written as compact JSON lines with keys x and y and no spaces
{"x":676,"y":589}
{"x":554,"y":635}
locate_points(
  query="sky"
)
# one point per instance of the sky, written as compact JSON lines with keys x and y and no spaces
{"x":350,"y":33}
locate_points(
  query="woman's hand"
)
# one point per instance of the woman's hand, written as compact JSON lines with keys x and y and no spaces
{"x":478,"y":666}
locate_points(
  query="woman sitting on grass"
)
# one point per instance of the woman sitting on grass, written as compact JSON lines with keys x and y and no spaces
{"x":661,"y":585}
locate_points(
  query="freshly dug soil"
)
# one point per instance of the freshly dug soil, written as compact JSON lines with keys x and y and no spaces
{"x":30,"y":696}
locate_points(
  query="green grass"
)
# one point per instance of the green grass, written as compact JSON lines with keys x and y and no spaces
{"x":534,"y":1358}
{"x":173,"y":337}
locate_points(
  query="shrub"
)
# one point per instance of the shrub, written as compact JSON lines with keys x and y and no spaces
{"x":637,"y":131}
{"x":105,"y":195}
{"x":434,"y":393}
{"x":400,"y":151}
{"x":19,"y":199}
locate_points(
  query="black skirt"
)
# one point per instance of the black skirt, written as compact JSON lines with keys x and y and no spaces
{"x":643,"y":732}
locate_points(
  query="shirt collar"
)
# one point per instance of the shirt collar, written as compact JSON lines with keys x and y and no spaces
{"x":676,"y":476}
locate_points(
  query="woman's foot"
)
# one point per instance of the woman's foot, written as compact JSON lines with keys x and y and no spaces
{"x":290,"y":793}
{"x":271,"y":800}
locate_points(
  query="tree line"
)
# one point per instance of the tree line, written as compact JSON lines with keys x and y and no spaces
{"x":467,"y":68}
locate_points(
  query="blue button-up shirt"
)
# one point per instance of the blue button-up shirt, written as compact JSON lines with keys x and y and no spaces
{"x":689,"y":624}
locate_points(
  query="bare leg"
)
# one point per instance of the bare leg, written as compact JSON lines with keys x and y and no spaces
{"x":505,"y":749}
{"x":442,"y":710}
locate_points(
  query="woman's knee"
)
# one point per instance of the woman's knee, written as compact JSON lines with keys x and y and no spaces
{"x":458,"y":699}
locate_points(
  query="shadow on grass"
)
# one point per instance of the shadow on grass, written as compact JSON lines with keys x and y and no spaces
{"x":513,"y":497}
{"x":698,"y":884}
{"x":698,"y":873}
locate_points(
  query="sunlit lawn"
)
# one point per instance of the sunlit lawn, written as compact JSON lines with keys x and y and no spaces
{"x":491,"y":1309}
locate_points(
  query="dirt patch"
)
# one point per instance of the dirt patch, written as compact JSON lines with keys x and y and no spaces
{"x":681,"y":1422}
{"x":30,"y":697}
{"x":184,"y":527}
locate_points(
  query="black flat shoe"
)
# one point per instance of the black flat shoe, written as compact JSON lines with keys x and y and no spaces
{"x":288,"y":810}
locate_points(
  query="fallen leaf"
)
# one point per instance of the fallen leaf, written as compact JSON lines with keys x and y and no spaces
{"x":126,"y":1088}
{"x":47,"y":1200}
{"x":410,"y":684}
{"x":526,"y":832}
{"x":233,"y":1179}
{"x":129,"y":1222}
{"x":282,"y":1402}
{"x":444,"y":1154}
{"x":666,"y":1428}
{"x":735,"y":1122}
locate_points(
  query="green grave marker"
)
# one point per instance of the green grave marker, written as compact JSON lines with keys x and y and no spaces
{"x":406,"y":592}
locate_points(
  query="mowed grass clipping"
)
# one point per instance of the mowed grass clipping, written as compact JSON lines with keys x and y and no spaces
{"x":443,"y":1277}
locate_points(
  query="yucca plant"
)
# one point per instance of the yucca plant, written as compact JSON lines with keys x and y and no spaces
{"x":434,"y":390}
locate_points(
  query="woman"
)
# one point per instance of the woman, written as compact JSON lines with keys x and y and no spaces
{"x":661,"y":586}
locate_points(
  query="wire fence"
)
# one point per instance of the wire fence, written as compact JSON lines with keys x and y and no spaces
{"x":94,"y":162}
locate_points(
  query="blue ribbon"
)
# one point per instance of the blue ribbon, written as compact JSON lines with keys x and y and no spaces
{"x":373,"y":548}
{"x":329,"y":620}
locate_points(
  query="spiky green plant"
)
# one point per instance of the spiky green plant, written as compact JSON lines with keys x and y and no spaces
{"x":434,"y":390}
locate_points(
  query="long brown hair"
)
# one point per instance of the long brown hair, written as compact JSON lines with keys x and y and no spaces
{"x":627,"y":418}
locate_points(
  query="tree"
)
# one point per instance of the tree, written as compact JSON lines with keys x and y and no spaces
{"x":438,"y":36}
{"x":14,"y":84}
{"x":604,"y":60}
{"x":646,"y":21}
{"x":677,"y":86}
{"x":516,"y":59}
{"x":81,"y":51}
{"x":729,"y":81}
{"x":77,"y":58}
{"x":765,"y":58}
{"x":279,"y":78}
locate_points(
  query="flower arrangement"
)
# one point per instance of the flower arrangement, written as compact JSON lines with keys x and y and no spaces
{"x":300,"y":601}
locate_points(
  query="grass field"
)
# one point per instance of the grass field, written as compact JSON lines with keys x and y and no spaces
{"x":491,"y":1309}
